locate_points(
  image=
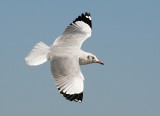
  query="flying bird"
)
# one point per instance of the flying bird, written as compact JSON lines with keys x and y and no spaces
{"x":65,"y":57}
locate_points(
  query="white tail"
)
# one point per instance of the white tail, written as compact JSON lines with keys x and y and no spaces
{"x":38,"y":54}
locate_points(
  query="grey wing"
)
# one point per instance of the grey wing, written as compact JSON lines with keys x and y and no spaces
{"x":77,"y":32}
{"x":68,"y":77}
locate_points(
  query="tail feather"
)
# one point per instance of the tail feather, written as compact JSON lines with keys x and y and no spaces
{"x":38,"y":54}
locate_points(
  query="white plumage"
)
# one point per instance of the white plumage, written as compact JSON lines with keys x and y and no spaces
{"x":66,"y":56}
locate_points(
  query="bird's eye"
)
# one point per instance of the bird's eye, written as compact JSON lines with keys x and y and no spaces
{"x":93,"y":58}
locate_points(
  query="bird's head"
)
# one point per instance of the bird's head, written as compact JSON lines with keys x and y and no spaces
{"x":93,"y":59}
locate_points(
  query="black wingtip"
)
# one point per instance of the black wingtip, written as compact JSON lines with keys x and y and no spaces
{"x":78,"y":97}
{"x":85,"y":17}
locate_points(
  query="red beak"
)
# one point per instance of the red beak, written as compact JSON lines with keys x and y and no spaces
{"x":99,"y":62}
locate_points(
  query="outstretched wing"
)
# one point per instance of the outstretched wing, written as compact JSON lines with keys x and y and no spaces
{"x":77,"y":32}
{"x":68,"y":77}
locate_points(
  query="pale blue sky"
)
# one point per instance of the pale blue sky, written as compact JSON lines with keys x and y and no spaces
{"x":126,"y":37}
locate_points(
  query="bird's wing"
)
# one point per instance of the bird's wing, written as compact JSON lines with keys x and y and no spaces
{"x":69,"y":79}
{"x":77,"y":32}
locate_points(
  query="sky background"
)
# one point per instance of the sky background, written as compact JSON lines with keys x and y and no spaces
{"x":125,"y":36}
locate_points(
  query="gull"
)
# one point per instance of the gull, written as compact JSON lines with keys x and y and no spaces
{"x":65,"y":57}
